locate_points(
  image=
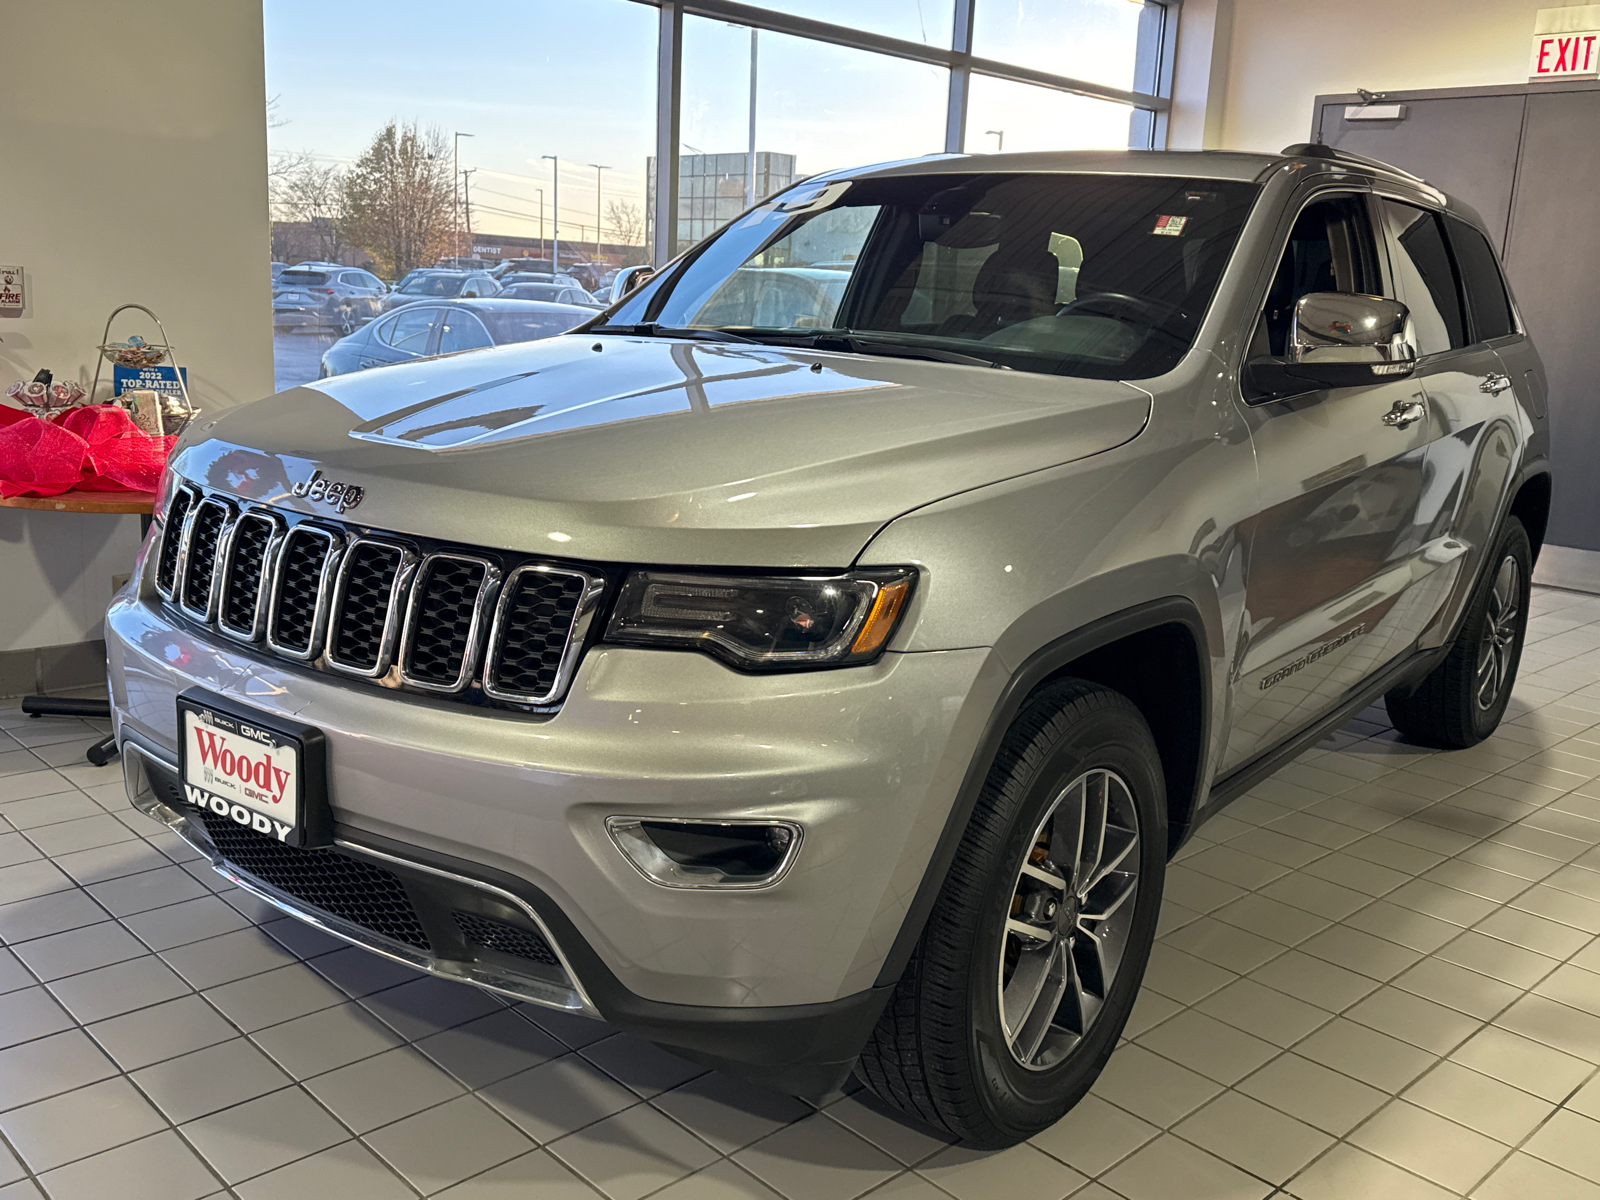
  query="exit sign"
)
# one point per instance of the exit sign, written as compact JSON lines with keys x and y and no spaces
{"x":1565,"y":55}
{"x":1566,"y":43}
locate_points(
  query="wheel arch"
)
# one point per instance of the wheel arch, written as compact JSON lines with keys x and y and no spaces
{"x":1154,"y":653}
{"x":1531,"y":506}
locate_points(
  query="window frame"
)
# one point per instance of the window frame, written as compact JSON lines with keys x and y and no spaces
{"x":1448,"y":222}
{"x":1393,"y":247}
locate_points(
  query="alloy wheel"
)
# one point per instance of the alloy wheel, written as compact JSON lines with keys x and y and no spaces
{"x":1499,"y":634}
{"x":1070,"y":915}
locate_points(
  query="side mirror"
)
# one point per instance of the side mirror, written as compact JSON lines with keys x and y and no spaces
{"x":629,"y":279}
{"x":1339,"y":340}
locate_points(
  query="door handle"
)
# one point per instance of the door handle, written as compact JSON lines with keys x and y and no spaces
{"x":1494,"y":383}
{"x":1404,"y":412}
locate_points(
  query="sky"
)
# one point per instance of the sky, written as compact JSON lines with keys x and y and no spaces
{"x":576,"y":79}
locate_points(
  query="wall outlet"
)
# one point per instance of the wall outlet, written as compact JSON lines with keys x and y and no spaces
{"x":118,"y":582}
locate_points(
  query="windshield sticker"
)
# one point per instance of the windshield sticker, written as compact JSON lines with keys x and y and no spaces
{"x":1170,"y":226}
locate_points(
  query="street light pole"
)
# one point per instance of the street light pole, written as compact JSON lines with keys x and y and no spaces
{"x":555,"y":215}
{"x":999,"y":134}
{"x":597,"y":169}
{"x":750,"y":160}
{"x":455,"y":197}
{"x":466,"y":201}
{"x":541,"y":219}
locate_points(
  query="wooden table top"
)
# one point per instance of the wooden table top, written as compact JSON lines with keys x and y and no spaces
{"x":140,"y":503}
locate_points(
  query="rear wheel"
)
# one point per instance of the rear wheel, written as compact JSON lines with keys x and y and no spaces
{"x":1462,"y":700}
{"x":1029,"y":965}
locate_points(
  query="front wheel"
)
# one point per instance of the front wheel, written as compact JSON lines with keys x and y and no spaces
{"x":1462,"y":700}
{"x":1029,"y":965}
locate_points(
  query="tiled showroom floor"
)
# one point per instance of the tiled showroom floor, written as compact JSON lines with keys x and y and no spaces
{"x":1378,"y":976}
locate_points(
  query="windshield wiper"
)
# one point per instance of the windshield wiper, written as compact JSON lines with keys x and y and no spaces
{"x":656,"y":329}
{"x":853,"y":343}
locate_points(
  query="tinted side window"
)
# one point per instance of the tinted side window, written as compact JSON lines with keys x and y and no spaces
{"x":462,"y":331}
{"x":1330,"y":250}
{"x":1426,"y":278}
{"x":411,"y":328}
{"x":1487,"y":301}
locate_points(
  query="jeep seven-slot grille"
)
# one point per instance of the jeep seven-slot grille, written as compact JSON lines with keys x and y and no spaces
{"x":348,"y":888}
{"x":447,"y":600}
{"x":504,"y":937}
{"x":363,"y":612}
{"x":367,"y":603}
{"x":245,"y":571}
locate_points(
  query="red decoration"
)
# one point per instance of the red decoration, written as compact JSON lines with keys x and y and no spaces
{"x":95,"y":448}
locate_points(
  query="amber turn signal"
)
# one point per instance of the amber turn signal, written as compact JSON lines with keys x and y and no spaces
{"x":880,"y":621}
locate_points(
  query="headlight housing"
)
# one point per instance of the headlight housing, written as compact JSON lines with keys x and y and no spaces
{"x":764,"y":623}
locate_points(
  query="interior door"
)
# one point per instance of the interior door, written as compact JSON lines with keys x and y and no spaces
{"x":1466,"y":145}
{"x":1342,"y":473}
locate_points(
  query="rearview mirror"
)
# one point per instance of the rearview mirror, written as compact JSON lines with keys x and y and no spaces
{"x":1339,"y":339}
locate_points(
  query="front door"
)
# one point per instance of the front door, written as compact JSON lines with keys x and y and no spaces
{"x":1329,"y":591}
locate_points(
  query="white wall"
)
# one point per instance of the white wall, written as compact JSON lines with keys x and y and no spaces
{"x":132,"y":169}
{"x":1283,"y":53}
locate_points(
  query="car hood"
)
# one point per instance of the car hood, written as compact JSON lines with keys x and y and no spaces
{"x":653,"y":450}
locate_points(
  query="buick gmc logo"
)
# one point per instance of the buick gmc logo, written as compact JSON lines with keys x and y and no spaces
{"x":341,"y":496}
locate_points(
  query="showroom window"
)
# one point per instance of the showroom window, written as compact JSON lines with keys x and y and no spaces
{"x":578,"y":137}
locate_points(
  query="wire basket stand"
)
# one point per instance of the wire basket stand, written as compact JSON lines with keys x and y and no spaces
{"x":142,"y":356}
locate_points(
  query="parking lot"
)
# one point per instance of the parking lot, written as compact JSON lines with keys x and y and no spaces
{"x":295,"y":357}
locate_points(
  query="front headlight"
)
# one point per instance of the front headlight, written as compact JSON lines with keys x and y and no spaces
{"x":764,"y":622}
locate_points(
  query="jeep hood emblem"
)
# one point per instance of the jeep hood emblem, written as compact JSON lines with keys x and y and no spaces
{"x":341,"y":496}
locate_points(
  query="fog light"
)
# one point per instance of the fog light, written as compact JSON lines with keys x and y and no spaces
{"x":683,"y":853}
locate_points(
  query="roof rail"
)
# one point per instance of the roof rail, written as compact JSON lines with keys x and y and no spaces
{"x":1319,"y":150}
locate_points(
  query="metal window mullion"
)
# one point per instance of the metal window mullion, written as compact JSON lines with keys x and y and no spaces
{"x":955,"y":118}
{"x":669,"y":103}
{"x":1154,"y":66}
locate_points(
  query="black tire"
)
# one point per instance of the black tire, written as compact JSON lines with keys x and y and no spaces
{"x":941,"y":1052}
{"x":1456,"y":705}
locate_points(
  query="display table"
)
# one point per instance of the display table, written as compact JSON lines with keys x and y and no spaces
{"x":140,"y":504}
{"x":115,"y":503}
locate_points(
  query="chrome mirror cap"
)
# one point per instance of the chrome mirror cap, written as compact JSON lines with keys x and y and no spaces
{"x":1341,"y":327}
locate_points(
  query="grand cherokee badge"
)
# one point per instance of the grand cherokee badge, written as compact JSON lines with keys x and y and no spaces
{"x":343,"y":496}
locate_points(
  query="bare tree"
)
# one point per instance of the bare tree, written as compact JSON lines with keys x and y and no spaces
{"x":314,"y":197}
{"x":397,"y":198}
{"x":626,"y":220}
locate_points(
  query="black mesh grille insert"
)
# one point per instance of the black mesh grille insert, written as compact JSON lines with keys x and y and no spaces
{"x":447,"y":594}
{"x":369,"y":571}
{"x":241,"y":586}
{"x":202,"y":560}
{"x":167,"y":564}
{"x":533,"y":636}
{"x":356,"y":891}
{"x":505,"y":937}
{"x":299,"y":580}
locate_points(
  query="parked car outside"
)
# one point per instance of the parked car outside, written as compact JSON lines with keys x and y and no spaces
{"x":817,"y":681}
{"x":465,"y":263}
{"x":321,"y":297}
{"x":556,"y":293}
{"x":442,"y":285}
{"x":278,"y":268}
{"x":514,"y":277}
{"x":423,"y":329}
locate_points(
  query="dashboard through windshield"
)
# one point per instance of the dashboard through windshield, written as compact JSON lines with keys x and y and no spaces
{"x":1104,"y":276}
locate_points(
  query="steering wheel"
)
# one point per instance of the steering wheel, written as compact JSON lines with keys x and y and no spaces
{"x":1134,"y":309}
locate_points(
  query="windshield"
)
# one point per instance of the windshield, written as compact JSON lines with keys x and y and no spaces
{"x":507,"y":327}
{"x":1105,"y":276}
{"x":533,"y":291}
{"x":434,"y":285}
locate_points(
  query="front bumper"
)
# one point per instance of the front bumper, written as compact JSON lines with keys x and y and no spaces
{"x":867,"y":760}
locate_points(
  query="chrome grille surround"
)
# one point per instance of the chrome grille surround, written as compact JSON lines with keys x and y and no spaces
{"x":230,"y":578}
{"x":207,"y":527}
{"x":405,"y":568}
{"x":333,"y":548}
{"x":488,"y":590}
{"x":594,"y":591}
{"x":303,"y":585}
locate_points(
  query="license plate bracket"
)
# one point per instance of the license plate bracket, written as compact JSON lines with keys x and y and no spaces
{"x":264,"y":772}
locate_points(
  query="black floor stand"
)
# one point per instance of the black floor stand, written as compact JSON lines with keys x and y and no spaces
{"x":102,"y":751}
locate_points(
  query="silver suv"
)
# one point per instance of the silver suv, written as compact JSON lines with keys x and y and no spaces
{"x":825,"y":687}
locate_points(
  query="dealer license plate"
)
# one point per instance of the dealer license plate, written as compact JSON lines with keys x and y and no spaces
{"x":247,"y":770}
